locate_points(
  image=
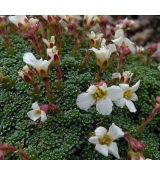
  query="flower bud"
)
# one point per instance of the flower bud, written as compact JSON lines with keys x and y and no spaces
{"x":27,"y":74}
{"x":150,"y":50}
{"x":134,"y":144}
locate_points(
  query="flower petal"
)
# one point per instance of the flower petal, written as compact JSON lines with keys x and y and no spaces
{"x":43,"y":116}
{"x":134,"y":97}
{"x":118,"y":41}
{"x":130,"y":106}
{"x":100,"y":131}
{"x":130,"y":44}
{"x":111,"y":47}
{"x":136,"y":86}
{"x":115,"y":93}
{"x":103,"y":149}
{"x":124,"y":87}
{"x":103,"y":87}
{"x":85,"y":101}
{"x":35,"y":106}
{"x":119,"y":33}
{"x":30,"y":59}
{"x":17,"y":19}
{"x":31,"y":115}
{"x":93,"y":140}
{"x":120,"y":103}
{"x":113,"y":149}
{"x":116,"y":75}
{"x":91,"y":89}
{"x":115,"y":132}
{"x":104,"y":106}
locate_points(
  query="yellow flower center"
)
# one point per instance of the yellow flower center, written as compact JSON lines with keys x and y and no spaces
{"x":105,"y":140}
{"x":128,"y":94}
{"x":99,"y":94}
{"x":101,"y":63}
{"x":42,"y":73}
{"x":37,"y":113}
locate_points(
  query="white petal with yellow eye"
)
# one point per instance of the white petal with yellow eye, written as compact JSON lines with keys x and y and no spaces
{"x":93,"y":140}
{"x":30,"y":59}
{"x":115,"y":93}
{"x":124,"y":87}
{"x":115,"y":132}
{"x":43,"y":116}
{"x":32,"y":116}
{"x":92,"y":89}
{"x":134,"y":97}
{"x":35,"y":106}
{"x":103,"y":149}
{"x":120,"y":103}
{"x":85,"y":101}
{"x":136,"y":86}
{"x":113,"y":149}
{"x":104,"y":106}
{"x":130,"y":106}
{"x":100,"y":131}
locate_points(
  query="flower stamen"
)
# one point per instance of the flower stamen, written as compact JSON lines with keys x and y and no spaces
{"x":128,"y":94}
{"x":105,"y":140}
{"x":99,"y":94}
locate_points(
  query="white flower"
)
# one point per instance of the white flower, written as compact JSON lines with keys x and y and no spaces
{"x":41,"y":66}
{"x":104,"y":140}
{"x":95,"y":36}
{"x":102,"y":96}
{"x":37,"y":113}
{"x":25,"y":69}
{"x":127,"y":74}
{"x":139,"y":49}
{"x":103,"y":54}
{"x":90,"y":18}
{"x":51,"y":52}
{"x":116,"y":75}
{"x":50,"y":42}
{"x":120,"y":40}
{"x":129,"y":95}
{"x":33,"y":21}
{"x":18,"y":19}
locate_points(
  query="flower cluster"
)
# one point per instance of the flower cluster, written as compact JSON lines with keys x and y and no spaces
{"x":108,"y":43}
{"x":104,"y":97}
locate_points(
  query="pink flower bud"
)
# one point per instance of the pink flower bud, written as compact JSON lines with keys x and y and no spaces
{"x":150,"y":50}
{"x":124,"y":50}
{"x":48,"y":107}
{"x":135,"y":144}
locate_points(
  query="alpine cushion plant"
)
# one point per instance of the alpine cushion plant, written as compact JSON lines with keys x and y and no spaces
{"x":59,"y":125}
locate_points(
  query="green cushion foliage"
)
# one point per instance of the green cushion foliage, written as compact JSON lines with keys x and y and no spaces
{"x":65,"y":134}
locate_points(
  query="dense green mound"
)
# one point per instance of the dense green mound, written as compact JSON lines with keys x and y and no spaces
{"x":65,"y":135}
